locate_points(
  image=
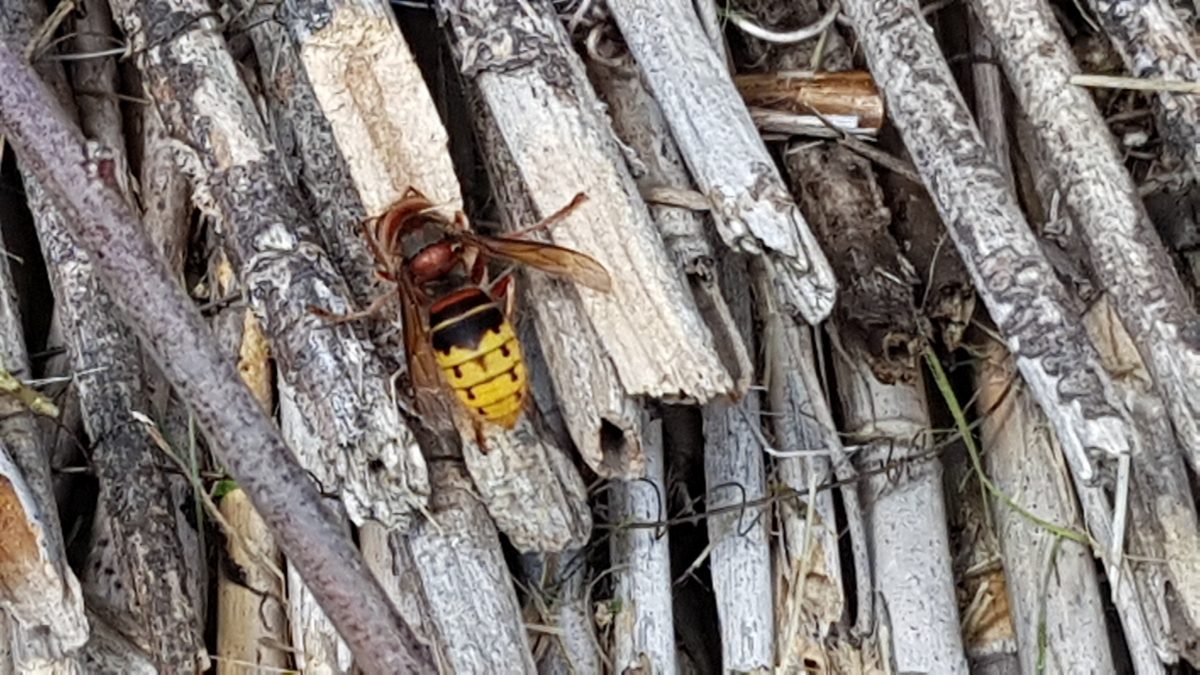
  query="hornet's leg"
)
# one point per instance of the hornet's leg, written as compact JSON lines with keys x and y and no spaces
{"x":552,"y":220}
{"x":373,"y":309}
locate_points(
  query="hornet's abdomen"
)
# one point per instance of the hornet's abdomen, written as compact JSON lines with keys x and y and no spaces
{"x":476,"y":347}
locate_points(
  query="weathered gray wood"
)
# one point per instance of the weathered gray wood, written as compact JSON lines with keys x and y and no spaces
{"x":318,"y":647}
{"x":107,"y":651}
{"x":51,"y":148}
{"x":165,"y":191}
{"x":837,"y":192}
{"x":906,"y":517}
{"x":41,"y":595}
{"x":559,"y":587}
{"x":136,"y":566}
{"x":1018,"y":286}
{"x":644,"y":628}
{"x":1051,"y":583}
{"x":1146,"y":611}
{"x":457,"y":555}
{"x":723,"y":150}
{"x":602,"y":419}
{"x":369,"y":455}
{"x":1127,"y":255}
{"x":362,"y":141}
{"x":637,"y":120}
{"x":531,"y":488}
{"x":817,"y":587}
{"x":1155,"y":42}
{"x":1163,"y":519}
{"x":251,"y":599}
{"x":551,"y":124}
{"x":734,"y":473}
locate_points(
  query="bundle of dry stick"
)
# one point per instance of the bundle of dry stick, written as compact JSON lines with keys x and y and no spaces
{"x":787,"y":439}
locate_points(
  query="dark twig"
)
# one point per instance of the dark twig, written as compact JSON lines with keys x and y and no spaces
{"x":172,"y":329}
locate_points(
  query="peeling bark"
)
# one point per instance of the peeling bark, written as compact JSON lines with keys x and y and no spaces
{"x":1126,"y":254}
{"x":135,"y":567}
{"x":52,"y":149}
{"x":601,"y":417}
{"x":717,"y":138}
{"x":550,"y":122}
{"x":1017,"y":284}
{"x":369,"y":455}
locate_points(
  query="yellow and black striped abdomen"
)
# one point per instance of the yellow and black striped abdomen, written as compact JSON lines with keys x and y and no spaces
{"x":476,"y":347}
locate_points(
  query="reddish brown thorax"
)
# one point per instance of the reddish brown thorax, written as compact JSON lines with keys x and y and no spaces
{"x":433,"y":262}
{"x":420,"y":246}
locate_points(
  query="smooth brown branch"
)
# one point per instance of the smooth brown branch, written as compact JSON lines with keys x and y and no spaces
{"x":242,"y":436}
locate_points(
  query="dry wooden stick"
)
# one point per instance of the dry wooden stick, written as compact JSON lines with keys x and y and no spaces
{"x":1156,"y":43}
{"x":723,"y":149}
{"x":150,"y":300}
{"x":648,"y":325}
{"x":735,"y":472}
{"x":1141,"y":600}
{"x":367,"y":130}
{"x":645,"y":626}
{"x":457,"y":556}
{"x":656,"y":163}
{"x":136,"y":568}
{"x":1027,"y":302}
{"x":369,"y":456}
{"x":906,"y":518}
{"x":560,"y":588}
{"x":601,"y":417}
{"x":41,"y":595}
{"x":1027,"y":464}
{"x":1127,"y":255}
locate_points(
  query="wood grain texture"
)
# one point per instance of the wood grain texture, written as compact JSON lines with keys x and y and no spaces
{"x":149,"y":299}
{"x":346,"y":91}
{"x":644,"y":628}
{"x":1051,"y":584}
{"x":369,"y":456}
{"x":384,"y":123}
{"x":601,"y":418}
{"x":734,"y":473}
{"x":1027,"y":302}
{"x":551,"y":123}
{"x":718,"y":139}
{"x":654,"y":161}
{"x":462,"y":570}
{"x":1126,"y":253}
{"x":906,"y":519}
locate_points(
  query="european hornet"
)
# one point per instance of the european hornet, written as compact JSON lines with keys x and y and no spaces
{"x":457,"y":323}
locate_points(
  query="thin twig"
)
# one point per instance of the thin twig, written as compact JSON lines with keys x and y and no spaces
{"x":128,"y":265}
{"x":1136,"y":83}
{"x":789,"y":37}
